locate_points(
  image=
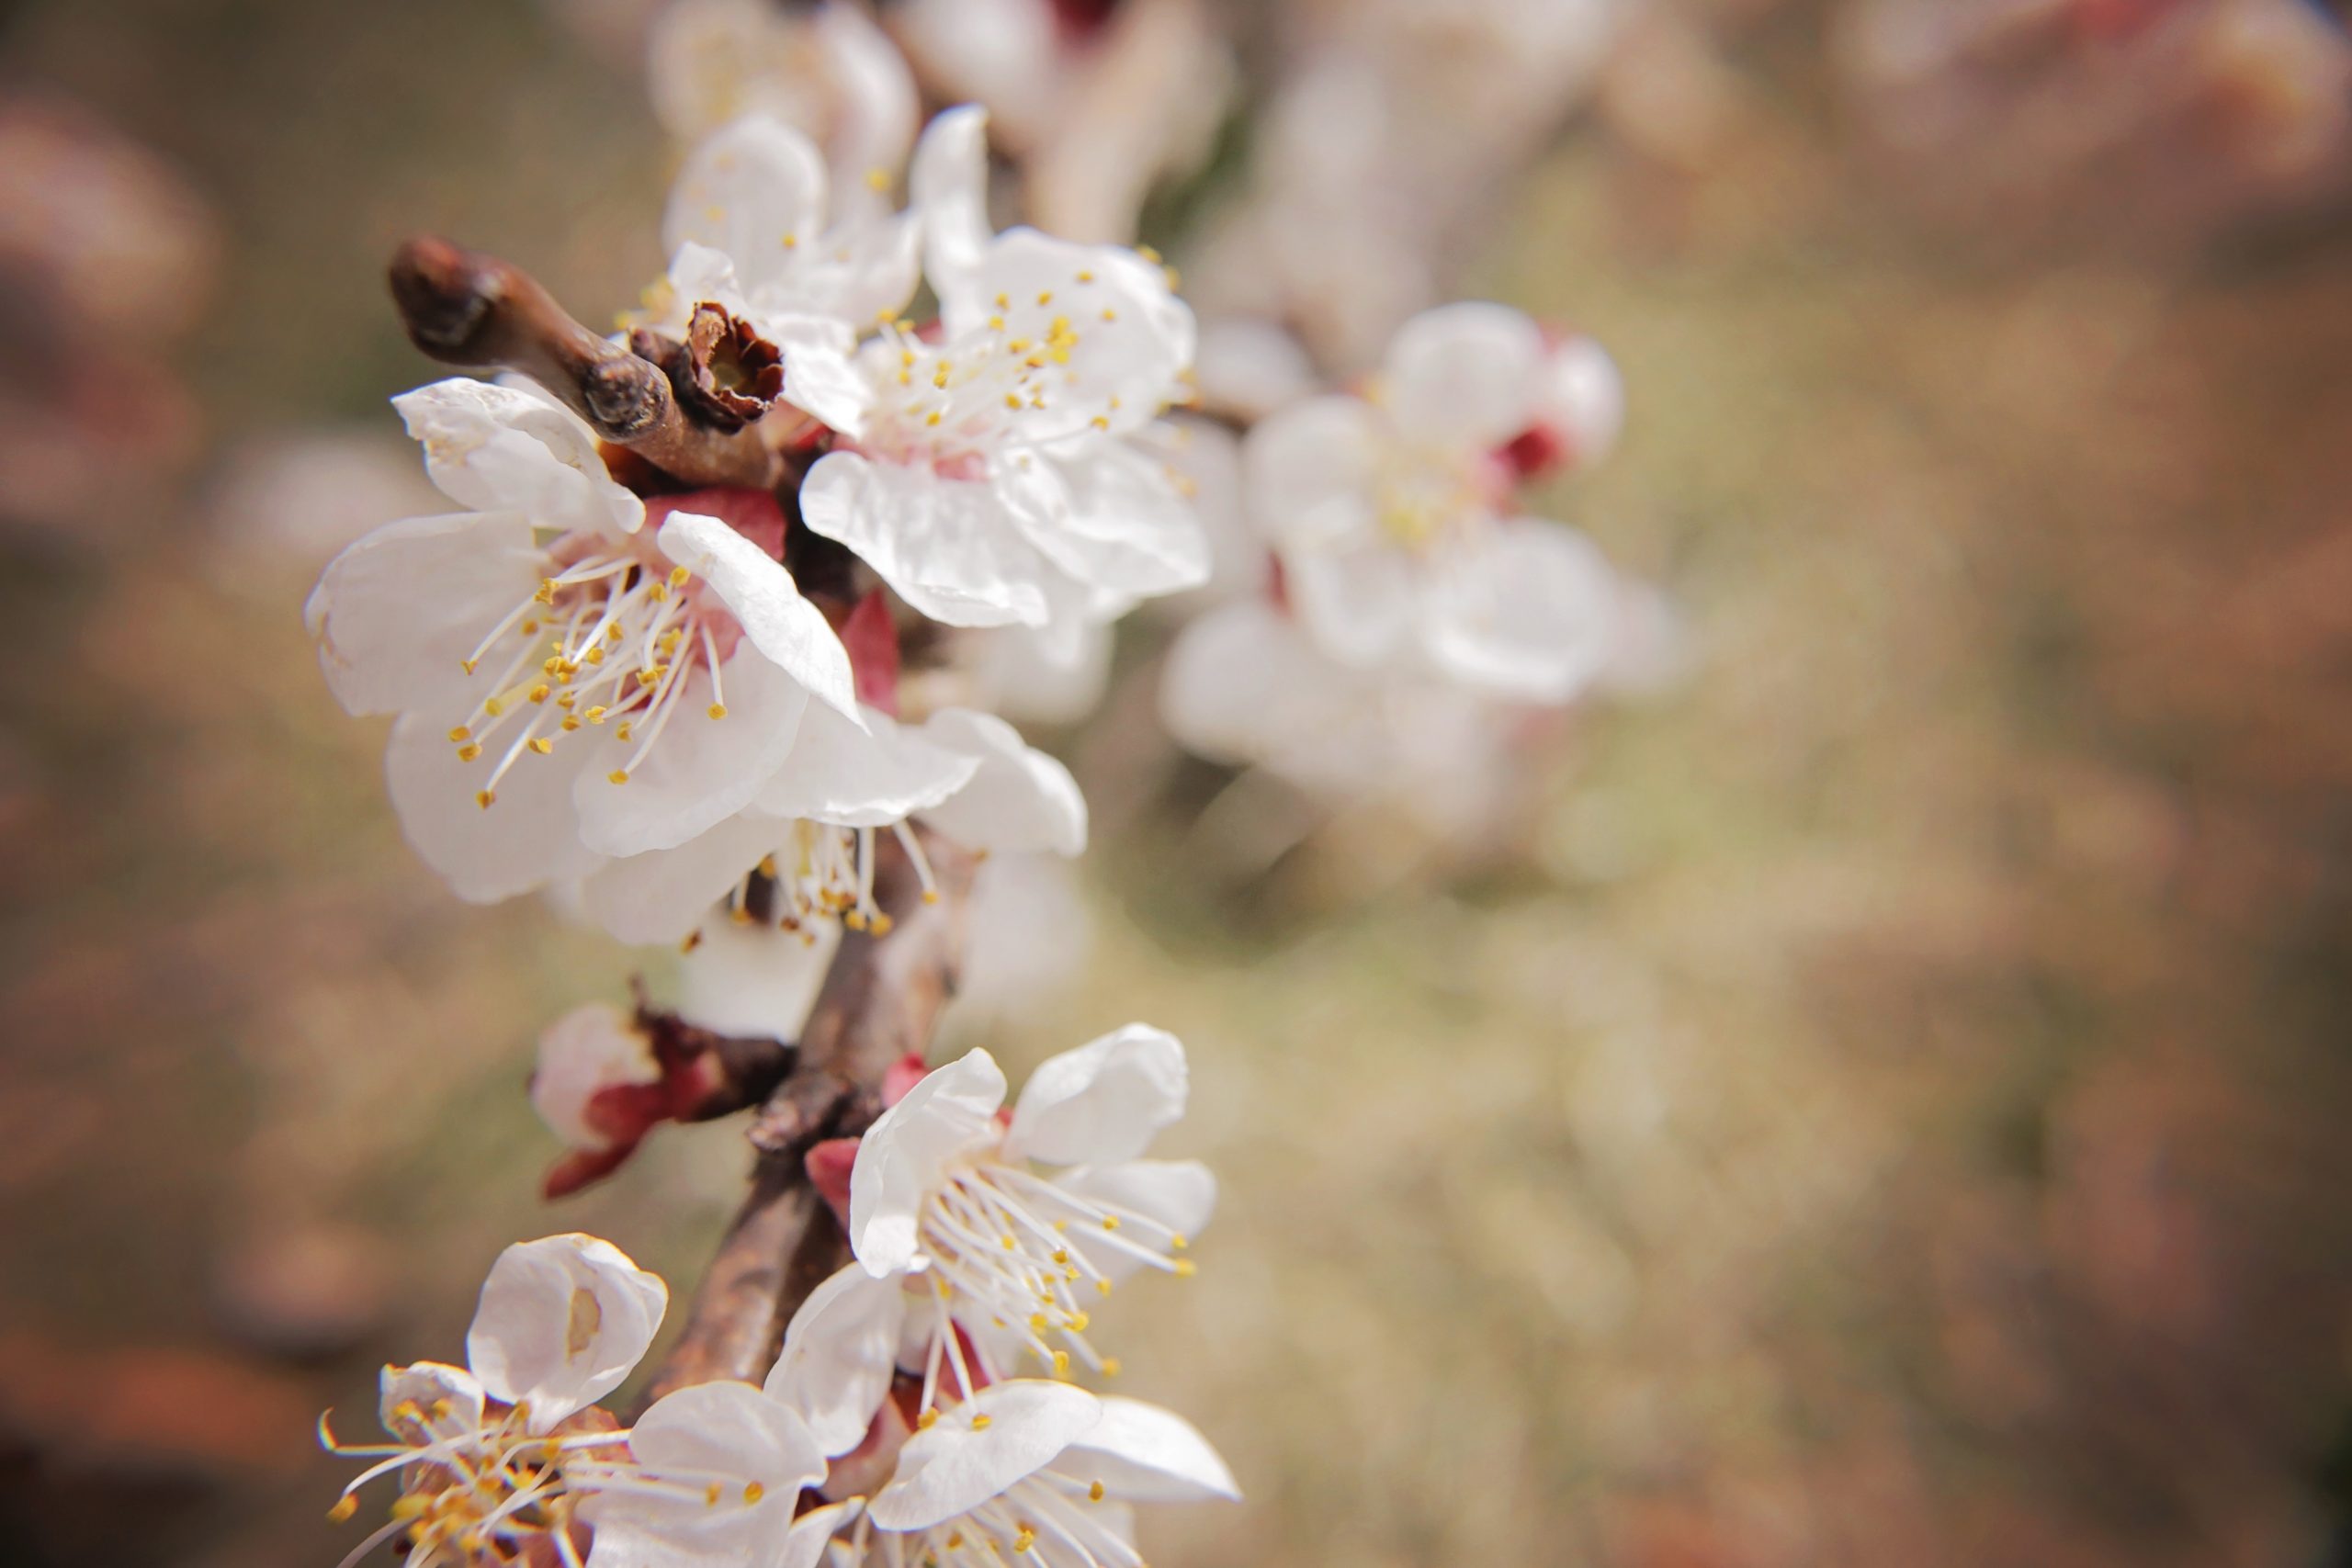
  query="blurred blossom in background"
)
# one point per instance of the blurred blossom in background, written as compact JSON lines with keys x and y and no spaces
{"x":1865,"y":1085}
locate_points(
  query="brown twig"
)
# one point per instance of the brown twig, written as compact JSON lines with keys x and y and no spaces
{"x":881,"y":1000}
{"x":478,"y":312}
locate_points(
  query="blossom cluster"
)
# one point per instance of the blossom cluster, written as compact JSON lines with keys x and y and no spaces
{"x":920,"y":1408}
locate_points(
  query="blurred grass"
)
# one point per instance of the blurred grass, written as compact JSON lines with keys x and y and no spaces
{"x":1883,"y":1109}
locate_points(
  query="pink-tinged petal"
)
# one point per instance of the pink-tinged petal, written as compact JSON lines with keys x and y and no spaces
{"x":899,"y":1163}
{"x":528,"y":837}
{"x":1142,"y":1453}
{"x":863,"y":778}
{"x":789,"y":631}
{"x":1104,"y":1101}
{"x":1530,"y":612}
{"x":958,"y":1464}
{"x":700,"y":771}
{"x":1465,"y":376}
{"x":1582,"y":400}
{"x":498,"y":448}
{"x":562,"y":1321}
{"x":951,"y":548}
{"x":399,"y":612}
{"x":745,"y":191}
{"x":662,"y":894}
{"x":840,"y":1354}
{"x":1018,"y":799}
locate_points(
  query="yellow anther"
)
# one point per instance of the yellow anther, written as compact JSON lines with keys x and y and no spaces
{"x":1040,"y":1322}
{"x":1086,"y":278}
{"x":1100,"y":422}
{"x":658,"y":591}
{"x":693,"y":940}
{"x":955,"y":1542}
{"x":996,"y":323}
{"x":1102,"y":1285}
{"x":345,"y":1509}
{"x":754,"y":1492}
{"x":670,"y":641}
{"x":711,"y":1495}
{"x":926,"y":1421}
{"x":932,"y":418}
{"x":1061,"y":1363}
{"x":714,"y":212}
{"x":542,"y":745}
{"x":767,"y":865}
{"x":1061,"y":1255}
{"x":613,"y":633}
{"x":1061,"y":1226}
{"x":541,"y":691}
{"x":1094,"y":1493}
{"x":1186,"y":1268}
{"x":492,"y":707}
{"x":979,"y":1422}
{"x":877,"y":178}
{"x":679,"y":576}
{"x":1148,"y":252}
{"x":1110,"y":1366}
{"x":1008,"y":1242}
{"x":1012,"y":400}
{"x":792,"y":241}
{"x":1044,"y":296}
{"x":1005,"y":303}
{"x":719,"y":710}
{"x":652,"y":675}
{"x":468,"y":665}
{"x":1177,"y":1241}
{"x":1018,"y":345}
{"x":1024,"y":1538}
{"x":1108,"y":314}
{"x":881,"y":924}
{"x":1078,"y":1322}
{"x":621,"y":730}
{"x":742,"y":917}
{"x":484,"y":797}
{"x":546,"y":596}
{"x":470,"y":750}
{"x":595,"y":654}
{"x":461,"y":733}
{"x":1110,"y":1222}
{"x":596,"y":714}
{"x":618,"y":775}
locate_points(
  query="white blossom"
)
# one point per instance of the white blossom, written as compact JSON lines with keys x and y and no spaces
{"x":545,"y":649}
{"x":988,"y":474}
{"x":1395,"y":516}
{"x":942,"y":1197}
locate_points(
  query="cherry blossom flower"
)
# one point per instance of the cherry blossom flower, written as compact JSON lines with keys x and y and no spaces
{"x":482,"y":1448}
{"x":988,"y":472}
{"x":942,"y":1197}
{"x":585,"y":1056}
{"x":546,"y":647}
{"x":801,"y":853}
{"x":1395,"y":522}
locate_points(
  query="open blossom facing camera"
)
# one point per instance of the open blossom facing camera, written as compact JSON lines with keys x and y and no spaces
{"x":574,"y":679}
{"x":944,"y":1198}
{"x":987,"y":468}
{"x":1396,"y":519}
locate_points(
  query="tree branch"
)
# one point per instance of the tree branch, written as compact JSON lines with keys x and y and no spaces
{"x":478,"y":312}
{"x":881,"y":1000}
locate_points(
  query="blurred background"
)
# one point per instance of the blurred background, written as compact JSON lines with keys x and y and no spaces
{"x":1880,"y":1101}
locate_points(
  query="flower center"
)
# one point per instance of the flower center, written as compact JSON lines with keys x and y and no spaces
{"x":1426,"y":500}
{"x":823,"y":874}
{"x":470,"y":1479}
{"x":1008,"y":1243}
{"x":611,"y":639}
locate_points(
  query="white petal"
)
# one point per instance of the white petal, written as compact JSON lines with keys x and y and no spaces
{"x":527,"y":838}
{"x":840,"y":1354}
{"x":875,"y":100}
{"x":424,"y":1384}
{"x":1250,"y":367}
{"x":1244,"y":684}
{"x":1019,"y":799}
{"x":700,"y":771}
{"x":562,"y":1321}
{"x":1104,"y":1101}
{"x":661,"y":894}
{"x":1142,"y":1453}
{"x":781,"y":624}
{"x":732,"y":1430}
{"x":954,"y":1467}
{"x":951,"y":548}
{"x":1127,"y":338}
{"x":1356,"y":602}
{"x":1530,"y":613}
{"x":898,"y":1160}
{"x":590,"y":1049}
{"x":863,"y":778}
{"x":1179,"y":1194}
{"x":823,"y":379}
{"x":397,"y":612}
{"x":1463,"y":375}
{"x":754,"y":980}
{"x":1032,"y":679}
{"x":1583,"y":399}
{"x":1126,"y":524}
{"x":746,"y":190}
{"x":948,"y":184}
{"x":805,"y":1542}
{"x":1309,"y":471}
{"x":501,"y":448}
